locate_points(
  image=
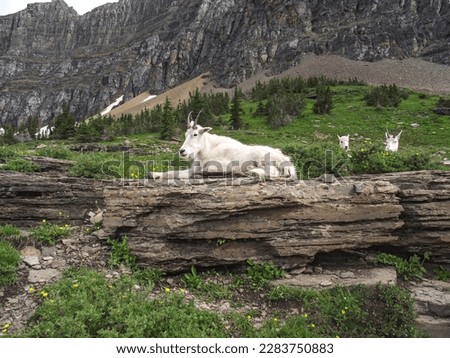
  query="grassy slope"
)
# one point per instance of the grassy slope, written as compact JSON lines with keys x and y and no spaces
{"x":351,"y":116}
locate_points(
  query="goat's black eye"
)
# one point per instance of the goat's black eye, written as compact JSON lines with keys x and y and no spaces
{"x":195,"y":134}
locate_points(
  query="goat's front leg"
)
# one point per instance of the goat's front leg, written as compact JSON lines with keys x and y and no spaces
{"x":173,"y":174}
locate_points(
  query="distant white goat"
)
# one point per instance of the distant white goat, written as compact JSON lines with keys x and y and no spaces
{"x":344,"y":141}
{"x":44,"y":132}
{"x":392,"y":141}
{"x":2,"y":131}
{"x":212,"y":154}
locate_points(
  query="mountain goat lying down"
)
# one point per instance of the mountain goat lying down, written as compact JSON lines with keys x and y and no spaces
{"x":215,"y":155}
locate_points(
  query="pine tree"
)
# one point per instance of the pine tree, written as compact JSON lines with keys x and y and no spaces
{"x":324,"y":101}
{"x":64,"y":124}
{"x":167,"y":129}
{"x":236,"y":110}
{"x":32,"y":126}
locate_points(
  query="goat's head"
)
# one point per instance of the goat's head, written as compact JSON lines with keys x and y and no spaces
{"x":194,"y":141}
{"x":344,"y":141}
{"x":392,"y":141}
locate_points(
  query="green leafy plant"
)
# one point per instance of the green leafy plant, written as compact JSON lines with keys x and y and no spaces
{"x":261,"y":274}
{"x":50,"y":233}
{"x":84,"y":304}
{"x":9,"y":260}
{"x":356,"y":311}
{"x":21,"y":165}
{"x":148,"y":275}
{"x":385,"y":96}
{"x":409,"y":269}
{"x":8,"y":231}
{"x":192,"y":280}
{"x":442,"y":274}
{"x":120,"y":254}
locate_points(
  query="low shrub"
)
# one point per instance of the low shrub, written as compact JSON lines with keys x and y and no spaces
{"x":385,"y":96}
{"x":50,"y":233}
{"x":261,"y":274}
{"x":9,"y":260}
{"x":21,"y":165}
{"x":85,"y":304}
{"x":408,"y":269}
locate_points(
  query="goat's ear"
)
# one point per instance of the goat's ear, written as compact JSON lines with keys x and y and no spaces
{"x":204,"y":130}
{"x":398,"y":135}
{"x":338,"y":136}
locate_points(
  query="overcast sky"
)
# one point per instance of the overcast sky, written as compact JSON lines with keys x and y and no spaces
{"x":81,"y":6}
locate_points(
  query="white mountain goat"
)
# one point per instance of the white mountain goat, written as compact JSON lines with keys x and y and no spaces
{"x":392,"y":141}
{"x":344,"y":141}
{"x":216,"y":155}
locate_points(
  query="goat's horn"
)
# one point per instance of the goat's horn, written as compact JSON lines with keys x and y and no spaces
{"x":198,"y":115}
{"x":189,"y":119}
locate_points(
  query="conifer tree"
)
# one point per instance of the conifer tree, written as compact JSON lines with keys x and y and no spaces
{"x":236,"y":109}
{"x":167,"y":129}
{"x":64,"y":124}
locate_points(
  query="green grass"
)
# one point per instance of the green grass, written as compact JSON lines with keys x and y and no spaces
{"x":9,"y":260}
{"x":85,"y":304}
{"x":50,"y":233}
{"x":8,"y":231}
{"x":307,"y":138}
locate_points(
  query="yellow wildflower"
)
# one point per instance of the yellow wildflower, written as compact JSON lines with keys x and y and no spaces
{"x":343,"y":311}
{"x":312,"y":325}
{"x":75,"y":285}
{"x":31,"y":289}
{"x":44,"y":294}
{"x":249,"y":317}
{"x":305,"y":315}
{"x":167,"y":289}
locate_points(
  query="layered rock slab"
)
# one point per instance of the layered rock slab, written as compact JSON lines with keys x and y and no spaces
{"x":176,"y":226}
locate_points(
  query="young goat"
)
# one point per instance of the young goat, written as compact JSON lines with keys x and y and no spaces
{"x":212,"y":154}
{"x":392,"y":141}
{"x":344,"y":141}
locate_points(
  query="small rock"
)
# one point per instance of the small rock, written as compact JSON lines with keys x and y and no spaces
{"x":298,"y":271}
{"x":31,"y":260}
{"x":170,"y":281}
{"x":347,"y":274}
{"x":36,"y":276}
{"x":68,"y":242}
{"x":30,"y":251}
{"x":326,"y":283}
{"x":58,"y":263}
{"x":318,"y":270}
{"x":48,"y":251}
{"x":47,"y":258}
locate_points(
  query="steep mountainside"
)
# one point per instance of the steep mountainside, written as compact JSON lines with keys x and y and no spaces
{"x":50,"y":55}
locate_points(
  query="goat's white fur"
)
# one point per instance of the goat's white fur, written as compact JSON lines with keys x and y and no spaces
{"x":344,"y":141}
{"x":392,"y":141}
{"x":215,"y":154}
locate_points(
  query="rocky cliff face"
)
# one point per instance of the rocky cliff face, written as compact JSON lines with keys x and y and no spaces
{"x":50,"y":55}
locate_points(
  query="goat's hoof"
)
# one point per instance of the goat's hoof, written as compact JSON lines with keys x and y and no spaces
{"x":151,"y":175}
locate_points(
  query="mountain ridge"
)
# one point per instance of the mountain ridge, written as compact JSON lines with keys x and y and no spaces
{"x":50,"y":55}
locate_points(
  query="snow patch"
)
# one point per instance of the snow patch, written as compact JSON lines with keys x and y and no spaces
{"x":112,"y":105}
{"x":149,"y":98}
